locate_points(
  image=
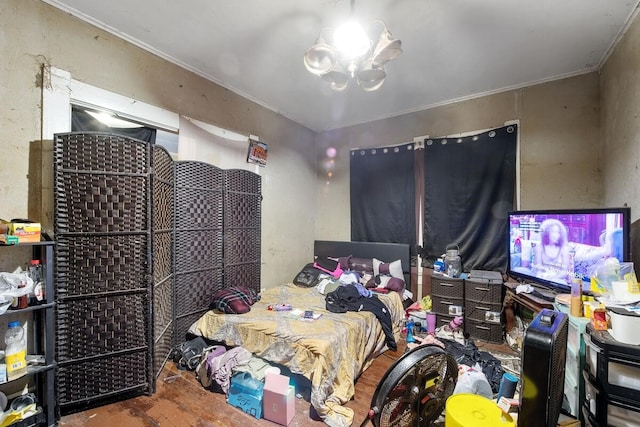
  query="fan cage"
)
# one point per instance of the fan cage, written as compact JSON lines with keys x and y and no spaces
{"x":408,"y":381}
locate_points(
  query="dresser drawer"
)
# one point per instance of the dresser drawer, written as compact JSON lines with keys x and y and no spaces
{"x":446,"y":305}
{"x":483,"y":291}
{"x":482,"y":312}
{"x":485,"y":331}
{"x":443,"y":319}
{"x":446,"y":286}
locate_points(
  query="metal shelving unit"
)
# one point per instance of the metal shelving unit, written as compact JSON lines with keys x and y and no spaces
{"x":42,"y":343}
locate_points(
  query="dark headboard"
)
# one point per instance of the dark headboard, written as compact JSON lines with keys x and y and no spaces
{"x":386,"y":252}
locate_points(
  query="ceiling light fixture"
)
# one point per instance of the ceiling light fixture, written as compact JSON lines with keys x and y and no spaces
{"x":351,"y":54}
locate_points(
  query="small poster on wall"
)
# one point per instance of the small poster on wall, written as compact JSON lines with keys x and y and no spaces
{"x":257,"y":152}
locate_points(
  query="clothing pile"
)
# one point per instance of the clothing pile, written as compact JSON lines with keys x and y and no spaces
{"x":354,"y":297}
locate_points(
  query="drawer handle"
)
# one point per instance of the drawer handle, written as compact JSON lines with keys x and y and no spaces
{"x":631,"y":363}
{"x":483,"y":327}
{"x":483,"y":308}
{"x":482,"y":289}
{"x":450,"y":285}
{"x":446,"y":302}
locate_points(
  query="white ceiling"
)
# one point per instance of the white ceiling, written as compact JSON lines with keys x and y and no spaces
{"x":453,"y":49}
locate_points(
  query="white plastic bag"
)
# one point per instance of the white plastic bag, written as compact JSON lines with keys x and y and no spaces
{"x":613,"y":271}
{"x":473,"y":380}
{"x":13,"y":285}
{"x":606,"y":273}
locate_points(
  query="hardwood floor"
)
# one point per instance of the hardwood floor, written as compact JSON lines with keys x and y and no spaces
{"x":180,"y":400}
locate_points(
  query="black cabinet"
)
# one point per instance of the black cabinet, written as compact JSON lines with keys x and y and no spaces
{"x":483,"y":309}
{"x":447,"y":296}
{"x":41,"y":369}
{"x":612,"y":381}
{"x":480,"y":300}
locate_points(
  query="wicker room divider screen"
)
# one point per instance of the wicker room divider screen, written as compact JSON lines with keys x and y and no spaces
{"x":142,"y":243}
{"x":162,"y":259}
{"x":242,"y":215}
{"x":198,"y":244}
{"x":217,"y":236}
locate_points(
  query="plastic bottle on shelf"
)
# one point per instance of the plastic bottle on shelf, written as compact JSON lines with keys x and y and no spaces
{"x":36,"y":274}
{"x":21,"y":301}
{"x":438,"y":266}
{"x":452,"y":261}
{"x":576,"y":298}
{"x":410,"y":337}
{"x":15,"y":351}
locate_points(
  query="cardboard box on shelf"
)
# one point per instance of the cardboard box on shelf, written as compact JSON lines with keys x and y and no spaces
{"x":23,"y":231}
{"x":6,"y":239}
{"x":27,"y":232}
{"x":279,"y":403}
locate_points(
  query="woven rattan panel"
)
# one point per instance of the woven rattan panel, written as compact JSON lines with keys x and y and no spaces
{"x":198,"y":240}
{"x":140,"y":235}
{"x":163,"y":280}
{"x":242,"y":222}
{"x":102,"y":217}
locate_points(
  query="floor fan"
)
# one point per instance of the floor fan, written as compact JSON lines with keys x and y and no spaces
{"x":413,"y":391}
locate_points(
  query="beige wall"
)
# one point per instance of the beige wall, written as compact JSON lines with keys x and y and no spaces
{"x":620,"y":118}
{"x":559,"y":140}
{"x":567,"y":160}
{"x":33,"y":33}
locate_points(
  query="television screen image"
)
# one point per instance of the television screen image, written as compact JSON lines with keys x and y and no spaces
{"x":555,"y":247}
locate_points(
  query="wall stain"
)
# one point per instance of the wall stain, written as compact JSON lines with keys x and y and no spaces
{"x":43,"y":79}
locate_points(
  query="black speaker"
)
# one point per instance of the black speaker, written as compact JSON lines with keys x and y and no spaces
{"x":544,"y":352}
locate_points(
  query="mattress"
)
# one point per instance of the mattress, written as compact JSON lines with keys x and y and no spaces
{"x":331,"y":351}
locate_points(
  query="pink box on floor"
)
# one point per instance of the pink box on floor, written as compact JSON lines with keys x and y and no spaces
{"x":278,"y":401}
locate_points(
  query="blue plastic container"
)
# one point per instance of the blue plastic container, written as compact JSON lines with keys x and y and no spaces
{"x":246,"y":393}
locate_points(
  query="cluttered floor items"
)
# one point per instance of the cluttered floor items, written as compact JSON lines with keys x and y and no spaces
{"x":250,"y":383}
{"x":263,"y":390}
{"x":489,"y":375}
{"x":485,"y":378}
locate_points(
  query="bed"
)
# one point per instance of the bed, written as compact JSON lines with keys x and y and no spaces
{"x":331,"y":351}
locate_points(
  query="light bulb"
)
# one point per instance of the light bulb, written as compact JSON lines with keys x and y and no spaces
{"x":351,"y":40}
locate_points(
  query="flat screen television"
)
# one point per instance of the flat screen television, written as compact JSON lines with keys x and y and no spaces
{"x":552,"y":247}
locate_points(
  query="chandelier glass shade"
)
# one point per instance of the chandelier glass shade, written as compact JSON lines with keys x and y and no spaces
{"x":352,"y":55}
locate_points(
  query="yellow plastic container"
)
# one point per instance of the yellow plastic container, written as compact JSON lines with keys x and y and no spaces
{"x":472,"y":410}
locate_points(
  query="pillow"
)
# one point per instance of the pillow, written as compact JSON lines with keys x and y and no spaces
{"x":386,"y":282}
{"x":234,"y":300}
{"x":393,"y":269}
{"x":388,"y":275}
{"x":361,"y":265}
{"x":392,"y":283}
{"x":345,"y":262}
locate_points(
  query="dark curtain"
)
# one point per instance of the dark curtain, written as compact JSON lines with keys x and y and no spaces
{"x":81,"y":121}
{"x":382,"y":195}
{"x":469,"y":188}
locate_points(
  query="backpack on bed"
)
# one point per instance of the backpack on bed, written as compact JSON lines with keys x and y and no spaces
{"x":307,"y":277}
